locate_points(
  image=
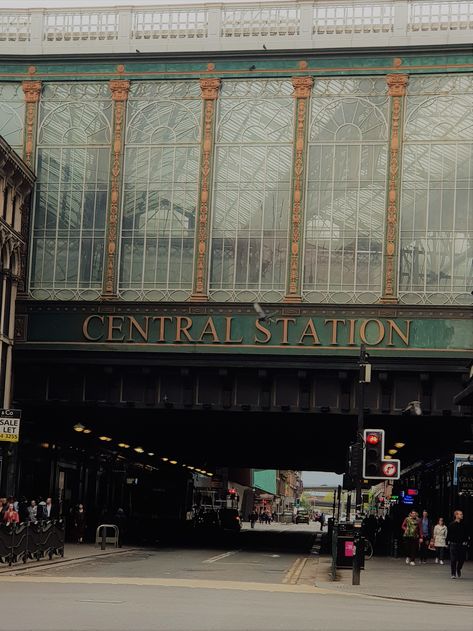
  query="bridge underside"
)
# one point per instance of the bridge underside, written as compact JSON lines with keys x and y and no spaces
{"x":262,"y":412}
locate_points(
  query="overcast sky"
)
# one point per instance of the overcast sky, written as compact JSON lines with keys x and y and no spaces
{"x":67,"y":4}
{"x":317,"y":478}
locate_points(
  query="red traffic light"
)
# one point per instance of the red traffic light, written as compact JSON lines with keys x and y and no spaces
{"x":372,"y":439}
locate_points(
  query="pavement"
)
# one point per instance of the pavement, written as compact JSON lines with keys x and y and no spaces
{"x":390,"y":578}
{"x":73,"y":552}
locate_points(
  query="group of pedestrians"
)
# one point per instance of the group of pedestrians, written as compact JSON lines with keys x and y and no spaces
{"x":421,"y":538}
{"x":263,"y":517}
{"x":13,"y":511}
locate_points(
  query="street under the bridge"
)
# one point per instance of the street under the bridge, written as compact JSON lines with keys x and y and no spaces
{"x":258,"y":581}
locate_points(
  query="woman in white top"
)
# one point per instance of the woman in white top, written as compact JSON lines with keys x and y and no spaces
{"x":440,"y":540}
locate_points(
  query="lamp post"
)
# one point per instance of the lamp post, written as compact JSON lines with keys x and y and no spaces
{"x":364,"y":377}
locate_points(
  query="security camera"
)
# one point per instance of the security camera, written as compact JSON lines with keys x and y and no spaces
{"x":414,"y":406}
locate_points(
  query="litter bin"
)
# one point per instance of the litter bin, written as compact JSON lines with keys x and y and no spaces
{"x":345,"y":551}
{"x":346,"y":546}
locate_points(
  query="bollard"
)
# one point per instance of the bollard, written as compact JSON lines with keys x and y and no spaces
{"x":334,"y":551}
{"x":103,"y":545}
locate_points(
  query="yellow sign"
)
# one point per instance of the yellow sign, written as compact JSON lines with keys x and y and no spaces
{"x":10,"y":426}
{"x":9,"y":438}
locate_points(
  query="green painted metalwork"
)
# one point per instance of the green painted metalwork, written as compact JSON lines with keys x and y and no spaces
{"x":165,"y":330}
{"x":238,"y":66}
{"x":265,"y":480}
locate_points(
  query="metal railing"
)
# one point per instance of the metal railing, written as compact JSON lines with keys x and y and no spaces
{"x":31,"y":540}
{"x":284,"y":25}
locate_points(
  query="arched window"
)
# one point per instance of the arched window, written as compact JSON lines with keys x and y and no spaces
{"x":161,"y":175}
{"x":346,"y":190}
{"x":71,"y":192}
{"x":252,"y":189}
{"x":436,"y":224}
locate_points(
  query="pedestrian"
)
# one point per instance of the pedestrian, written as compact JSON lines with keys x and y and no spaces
{"x":23,"y":509}
{"x":120,"y":522}
{"x":457,"y":538}
{"x":252,"y":518}
{"x":79,"y":523}
{"x":440,"y":540}
{"x":50,"y":509}
{"x":41,"y":510}
{"x":11,"y":515}
{"x":33,"y":512}
{"x":411,"y":536}
{"x":425,"y":536}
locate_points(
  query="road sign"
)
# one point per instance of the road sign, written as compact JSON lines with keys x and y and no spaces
{"x":465,"y":479}
{"x":10,"y":425}
{"x":458,"y":461}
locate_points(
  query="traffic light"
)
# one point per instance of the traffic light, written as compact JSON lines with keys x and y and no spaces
{"x":375,"y":466}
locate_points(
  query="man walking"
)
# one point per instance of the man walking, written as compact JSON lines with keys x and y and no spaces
{"x":457,"y":538}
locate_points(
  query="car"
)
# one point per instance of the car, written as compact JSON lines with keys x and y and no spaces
{"x":230,"y":519}
{"x":302,"y":517}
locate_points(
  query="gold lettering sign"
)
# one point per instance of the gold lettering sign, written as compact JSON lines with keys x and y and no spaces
{"x":336,"y":333}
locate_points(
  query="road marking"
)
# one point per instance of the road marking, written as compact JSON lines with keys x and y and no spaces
{"x":103,"y":602}
{"x":221,"y":556}
{"x":208,"y":584}
{"x":292,"y":571}
{"x":297,"y":573}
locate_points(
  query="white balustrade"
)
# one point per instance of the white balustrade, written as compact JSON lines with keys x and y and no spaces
{"x":260,"y":21}
{"x":66,"y":26}
{"x":15,"y":27}
{"x":353,"y":18}
{"x":162,"y":24}
{"x":283,"y":25}
{"x":441,"y":16}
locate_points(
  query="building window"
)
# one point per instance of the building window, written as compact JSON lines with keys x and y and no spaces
{"x":160,"y":190}
{"x":71,"y":191}
{"x":436,"y":230}
{"x":12,"y":113}
{"x":252,"y":189}
{"x":346,"y":190}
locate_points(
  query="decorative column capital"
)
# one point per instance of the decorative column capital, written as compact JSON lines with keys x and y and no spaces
{"x":397,"y":84}
{"x":209,"y":89}
{"x":119,"y":89}
{"x":31,"y":90}
{"x":302,"y":87}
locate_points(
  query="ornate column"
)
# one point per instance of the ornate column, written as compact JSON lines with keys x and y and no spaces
{"x":119,"y":89}
{"x":32,"y":92}
{"x":302,"y":91}
{"x":397,"y":86}
{"x":209,"y":92}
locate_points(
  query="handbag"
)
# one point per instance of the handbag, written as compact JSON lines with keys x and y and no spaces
{"x":432,"y":544}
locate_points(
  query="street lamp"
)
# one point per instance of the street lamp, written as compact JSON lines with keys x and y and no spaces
{"x":414,"y":406}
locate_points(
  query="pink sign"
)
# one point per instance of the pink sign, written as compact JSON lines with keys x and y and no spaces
{"x":349,"y":548}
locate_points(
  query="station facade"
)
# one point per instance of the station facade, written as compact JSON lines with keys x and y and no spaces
{"x":175,"y":190}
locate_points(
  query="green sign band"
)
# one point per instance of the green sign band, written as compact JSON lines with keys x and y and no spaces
{"x":244,"y":333}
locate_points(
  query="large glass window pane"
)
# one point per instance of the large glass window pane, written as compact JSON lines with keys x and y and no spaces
{"x":436,"y":230}
{"x":346,"y":190}
{"x":251,"y":196}
{"x":161,"y":176}
{"x":71,"y":194}
{"x":12,"y":114}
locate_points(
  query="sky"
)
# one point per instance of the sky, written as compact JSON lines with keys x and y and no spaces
{"x":67,"y":4}
{"x":317,"y":478}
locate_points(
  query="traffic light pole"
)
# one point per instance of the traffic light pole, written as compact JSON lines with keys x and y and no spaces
{"x":362,"y":378}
